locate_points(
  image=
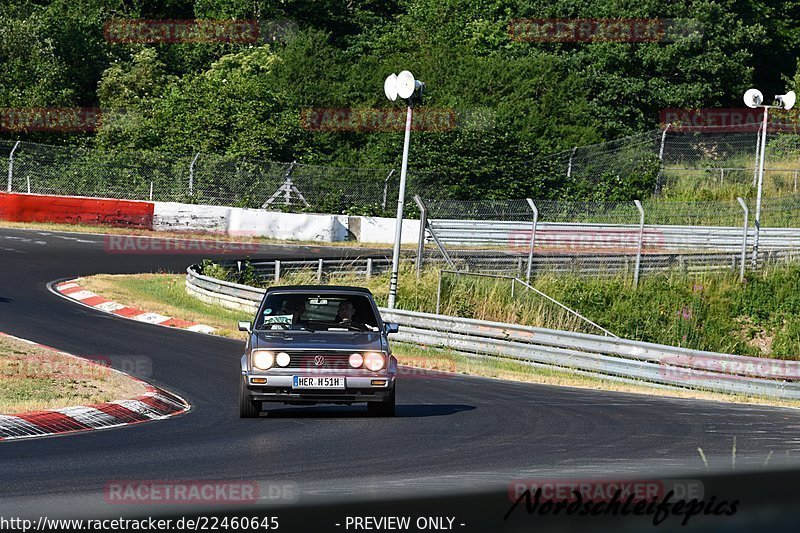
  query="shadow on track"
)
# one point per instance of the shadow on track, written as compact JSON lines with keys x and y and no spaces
{"x":4,"y":300}
{"x":344,"y":411}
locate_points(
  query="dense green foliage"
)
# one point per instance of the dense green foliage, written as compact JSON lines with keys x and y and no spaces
{"x":531,"y":98}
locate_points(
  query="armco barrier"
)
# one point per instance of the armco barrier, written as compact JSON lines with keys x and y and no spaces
{"x":16,"y":207}
{"x":577,"y":352}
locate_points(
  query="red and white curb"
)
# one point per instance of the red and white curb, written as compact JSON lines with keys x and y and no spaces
{"x":154,"y":404}
{"x":74,"y":291}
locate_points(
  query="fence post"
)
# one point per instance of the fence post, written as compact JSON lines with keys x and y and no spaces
{"x":151,"y":191}
{"x":423,"y":221}
{"x":569,"y":167}
{"x":277,"y":271}
{"x":385,"y":188}
{"x":744,"y":237}
{"x":369,"y":267}
{"x":28,"y":180}
{"x":11,"y":166}
{"x":795,"y":181}
{"x":439,"y":292}
{"x":639,"y":247}
{"x":533,"y":238}
{"x":661,"y":159}
{"x":191,"y":174}
{"x":755,"y":161}
{"x":319,"y":272}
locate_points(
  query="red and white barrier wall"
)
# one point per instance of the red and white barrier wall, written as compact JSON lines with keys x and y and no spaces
{"x":173,"y":216}
{"x":75,"y":210}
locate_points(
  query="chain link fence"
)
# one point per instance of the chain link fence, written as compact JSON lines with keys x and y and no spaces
{"x":704,"y":163}
{"x":198,"y":178}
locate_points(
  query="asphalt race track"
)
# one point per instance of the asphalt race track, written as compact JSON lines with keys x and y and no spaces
{"x":451,"y":433}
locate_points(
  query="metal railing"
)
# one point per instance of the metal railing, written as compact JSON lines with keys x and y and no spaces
{"x":581,"y":353}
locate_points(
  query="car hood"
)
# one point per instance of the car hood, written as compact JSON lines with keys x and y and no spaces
{"x":340,"y":340}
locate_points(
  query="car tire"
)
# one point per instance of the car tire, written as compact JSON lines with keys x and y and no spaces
{"x":384,"y":408}
{"x":247,"y":408}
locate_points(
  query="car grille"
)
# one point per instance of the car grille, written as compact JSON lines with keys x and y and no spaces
{"x":329,"y":360}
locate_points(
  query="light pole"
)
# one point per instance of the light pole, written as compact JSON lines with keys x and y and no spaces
{"x":753,"y":99}
{"x":405,"y":86}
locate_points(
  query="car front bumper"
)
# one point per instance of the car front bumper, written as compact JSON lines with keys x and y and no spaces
{"x":278,"y":388}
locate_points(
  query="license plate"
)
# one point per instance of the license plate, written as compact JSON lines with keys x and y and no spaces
{"x":317,"y":382}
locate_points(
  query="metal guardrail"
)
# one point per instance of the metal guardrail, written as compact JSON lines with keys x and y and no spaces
{"x":584,"y":353}
{"x":590,"y":237}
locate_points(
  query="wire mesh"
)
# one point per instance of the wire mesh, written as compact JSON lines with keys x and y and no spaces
{"x":197,"y":178}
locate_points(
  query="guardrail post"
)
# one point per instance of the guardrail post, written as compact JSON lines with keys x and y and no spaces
{"x":191,"y":174}
{"x":639,"y":247}
{"x":11,"y":166}
{"x":533,"y":238}
{"x":423,"y":221}
{"x":744,"y":237}
{"x":319,"y":272}
{"x":277,"y":271}
{"x":369,"y":267}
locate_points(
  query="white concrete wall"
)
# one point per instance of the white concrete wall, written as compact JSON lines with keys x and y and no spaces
{"x":381,"y":230}
{"x":173,"y":216}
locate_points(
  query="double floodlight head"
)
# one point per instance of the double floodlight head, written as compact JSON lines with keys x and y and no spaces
{"x":403,"y":85}
{"x":754,"y":98}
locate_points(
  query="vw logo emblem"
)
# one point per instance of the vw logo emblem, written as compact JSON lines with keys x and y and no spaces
{"x":318,"y":360}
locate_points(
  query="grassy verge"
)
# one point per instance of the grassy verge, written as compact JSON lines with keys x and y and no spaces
{"x":710,"y":311}
{"x":165,"y":293}
{"x":34,"y":378}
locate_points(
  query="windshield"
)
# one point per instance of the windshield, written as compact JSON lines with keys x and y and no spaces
{"x":315,"y":312}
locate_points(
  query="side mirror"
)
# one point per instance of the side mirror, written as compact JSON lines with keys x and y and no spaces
{"x":391,"y":327}
{"x":245,"y":326}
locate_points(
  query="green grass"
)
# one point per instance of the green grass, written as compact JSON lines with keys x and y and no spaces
{"x":710,"y":311}
{"x":165,"y":294}
{"x":34,"y":378}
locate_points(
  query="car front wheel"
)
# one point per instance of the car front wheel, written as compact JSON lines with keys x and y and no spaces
{"x":384,"y":408}
{"x":247,"y":408}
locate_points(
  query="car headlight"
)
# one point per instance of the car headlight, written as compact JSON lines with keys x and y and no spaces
{"x":263,"y":359}
{"x":356,"y":360}
{"x":373,"y":361}
{"x":283,"y":359}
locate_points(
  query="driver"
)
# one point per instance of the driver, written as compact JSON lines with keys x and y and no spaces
{"x":346,"y":312}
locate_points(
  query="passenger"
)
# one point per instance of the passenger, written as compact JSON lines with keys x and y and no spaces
{"x":296,"y":308}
